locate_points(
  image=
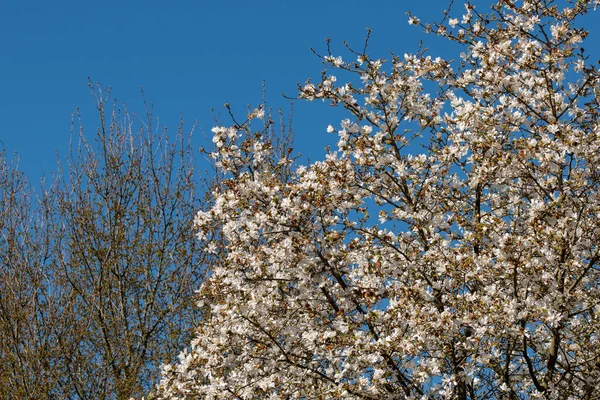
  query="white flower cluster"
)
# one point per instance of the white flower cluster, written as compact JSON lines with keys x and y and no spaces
{"x":448,"y":248}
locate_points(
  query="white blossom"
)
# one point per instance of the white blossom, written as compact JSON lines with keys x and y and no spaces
{"x":446,"y":248}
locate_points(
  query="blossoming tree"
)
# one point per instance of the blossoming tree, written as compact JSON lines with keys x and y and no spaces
{"x":447,"y":249}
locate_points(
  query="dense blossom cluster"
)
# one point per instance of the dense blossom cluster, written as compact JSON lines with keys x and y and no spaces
{"x":447,"y":249}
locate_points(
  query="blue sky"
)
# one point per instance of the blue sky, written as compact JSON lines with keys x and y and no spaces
{"x":189,"y":56}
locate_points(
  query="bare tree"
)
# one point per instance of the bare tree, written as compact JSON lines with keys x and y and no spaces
{"x":27,"y":304}
{"x":99,"y":269}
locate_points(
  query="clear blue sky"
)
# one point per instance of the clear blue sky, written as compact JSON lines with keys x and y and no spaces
{"x":190,"y":57}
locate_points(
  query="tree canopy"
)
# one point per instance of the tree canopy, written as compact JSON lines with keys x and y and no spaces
{"x":447,"y":248}
{"x":100,"y":266}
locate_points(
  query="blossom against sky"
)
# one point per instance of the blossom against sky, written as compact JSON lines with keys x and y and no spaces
{"x":189,"y":56}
